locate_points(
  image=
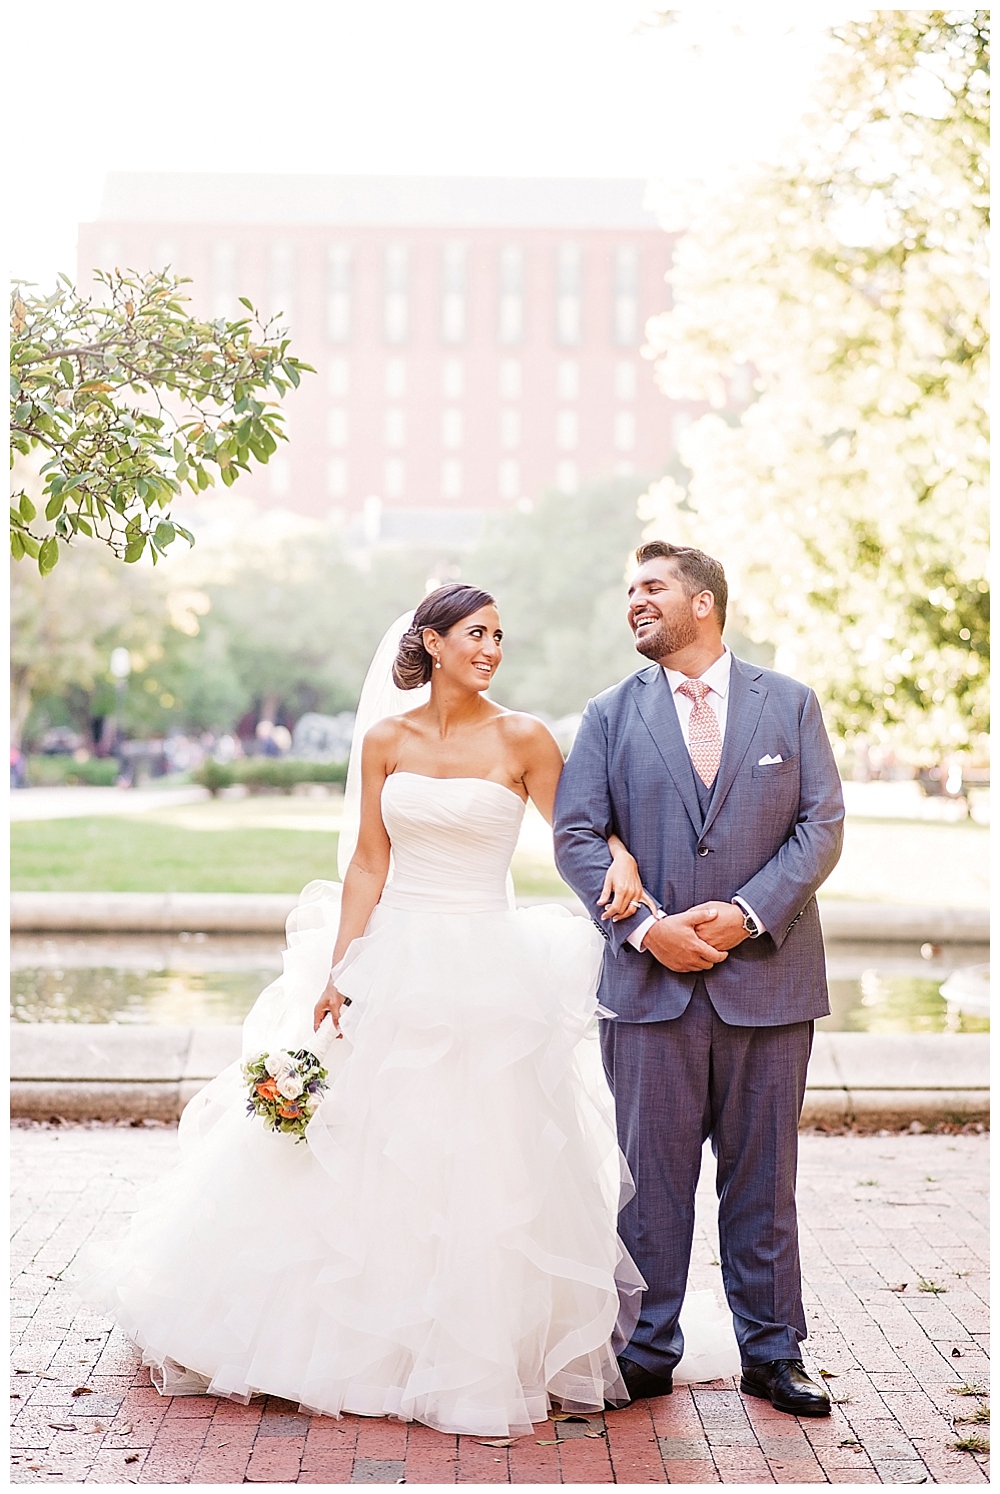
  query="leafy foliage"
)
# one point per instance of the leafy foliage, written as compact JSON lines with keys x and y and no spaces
{"x":833,"y":313}
{"x":131,"y":400}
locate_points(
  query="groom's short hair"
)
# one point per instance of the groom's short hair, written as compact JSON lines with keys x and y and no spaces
{"x":698,"y":571}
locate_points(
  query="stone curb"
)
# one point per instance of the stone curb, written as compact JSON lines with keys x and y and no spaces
{"x":135,"y":1073}
{"x":264,"y":913}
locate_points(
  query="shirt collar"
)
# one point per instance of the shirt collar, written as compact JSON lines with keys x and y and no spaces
{"x":716,"y":676}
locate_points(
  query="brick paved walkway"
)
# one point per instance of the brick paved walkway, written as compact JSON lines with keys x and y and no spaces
{"x":876,"y":1212}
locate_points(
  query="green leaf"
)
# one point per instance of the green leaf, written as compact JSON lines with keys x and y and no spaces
{"x":31,"y":546}
{"x":16,"y":545}
{"x":48,"y":555}
{"x":164,"y":534}
{"x":134,"y":549}
{"x":66,"y":369}
{"x":54,"y":505}
{"x":21,"y":413}
{"x":244,"y":302}
{"x":27,"y":508}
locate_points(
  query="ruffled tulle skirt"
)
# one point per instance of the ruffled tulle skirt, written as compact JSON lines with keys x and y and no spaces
{"x":443,"y":1248}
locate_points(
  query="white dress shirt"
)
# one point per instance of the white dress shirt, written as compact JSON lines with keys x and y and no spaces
{"x":716,"y":676}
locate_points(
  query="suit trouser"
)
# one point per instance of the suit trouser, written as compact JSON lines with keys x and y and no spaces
{"x":675,"y":1084}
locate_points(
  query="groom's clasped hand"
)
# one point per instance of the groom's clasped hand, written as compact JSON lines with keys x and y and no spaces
{"x":696,"y":939}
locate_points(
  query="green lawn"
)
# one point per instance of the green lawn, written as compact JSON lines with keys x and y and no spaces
{"x":131,"y":855}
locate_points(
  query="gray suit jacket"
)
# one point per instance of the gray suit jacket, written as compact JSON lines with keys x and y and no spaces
{"x":772,"y":834}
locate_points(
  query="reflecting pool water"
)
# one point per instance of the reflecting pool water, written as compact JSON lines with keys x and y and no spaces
{"x":213,"y":979}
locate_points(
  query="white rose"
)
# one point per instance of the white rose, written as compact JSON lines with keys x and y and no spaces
{"x":279,"y":1064}
{"x":289,"y":1085}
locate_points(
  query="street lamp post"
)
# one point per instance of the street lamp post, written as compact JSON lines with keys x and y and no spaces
{"x":121,"y":668}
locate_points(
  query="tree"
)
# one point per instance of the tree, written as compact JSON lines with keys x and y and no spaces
{"x":131,"y":400}
{"x":837,"y":304}
{"x":558,"y":574}
{"x":64,"y":628}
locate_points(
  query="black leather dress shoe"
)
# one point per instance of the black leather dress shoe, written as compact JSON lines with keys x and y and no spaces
{"x":642,"y":1383}
{"x":786,"y":1385}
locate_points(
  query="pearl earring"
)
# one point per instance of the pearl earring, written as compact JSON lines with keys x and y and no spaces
{"x":437,"y":663}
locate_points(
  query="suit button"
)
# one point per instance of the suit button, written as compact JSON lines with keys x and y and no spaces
{"x":703,"y":850}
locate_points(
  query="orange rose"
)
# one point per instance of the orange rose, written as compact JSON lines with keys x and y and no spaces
{"x":289,"y":1111}
{"x":268,"y":1090}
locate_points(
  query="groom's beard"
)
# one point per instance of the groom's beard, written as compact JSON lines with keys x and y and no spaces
{"x":667,"y":638}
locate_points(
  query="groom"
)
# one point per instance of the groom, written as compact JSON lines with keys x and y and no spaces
{"x":719,"y":778}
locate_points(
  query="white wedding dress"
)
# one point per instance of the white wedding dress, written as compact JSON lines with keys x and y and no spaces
{"x":443,"y":1248}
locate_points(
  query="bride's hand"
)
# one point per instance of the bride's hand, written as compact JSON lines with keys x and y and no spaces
{"x":330,"y":1004}
{"x":623,"y":893}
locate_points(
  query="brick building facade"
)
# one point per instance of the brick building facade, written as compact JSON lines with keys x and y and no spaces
{"x":476,"y":340}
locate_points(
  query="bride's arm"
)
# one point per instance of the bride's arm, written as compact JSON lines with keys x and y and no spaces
{"x":623,"y":891}
{"x":365,"y":877}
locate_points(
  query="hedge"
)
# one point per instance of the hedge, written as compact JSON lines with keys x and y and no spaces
{"x":268,"y":773}
{"x":53,"y":771}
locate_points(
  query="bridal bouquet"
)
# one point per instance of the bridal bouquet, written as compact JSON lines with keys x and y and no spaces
{"x":285,"y":1089}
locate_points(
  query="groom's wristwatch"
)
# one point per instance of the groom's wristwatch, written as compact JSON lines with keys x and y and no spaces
{"x":750,"y":923}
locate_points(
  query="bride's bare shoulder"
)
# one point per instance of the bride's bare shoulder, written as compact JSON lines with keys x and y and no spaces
{"x":390,"y":731}
{"x":525,"y":731}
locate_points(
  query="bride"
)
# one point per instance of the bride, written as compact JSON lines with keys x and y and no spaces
{"x":444,"y":1248}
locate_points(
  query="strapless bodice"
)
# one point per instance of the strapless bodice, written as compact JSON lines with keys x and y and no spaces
{"x":452,"y":841}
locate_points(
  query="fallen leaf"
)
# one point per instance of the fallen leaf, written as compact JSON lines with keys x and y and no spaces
{"x":122,"y":1431}
{"x":567,"y":1416}
{"x":547,"y":1441}
{"x":829,"y":1374}
{"x":956,"y":1353}
{"x":97,"y":1427}
{"x":593,"y":1432}
{"x":131,"y":1457}
{"x":496,"y":1441}
{"x":63,"y":1426}
{"x":901,"y":1288}
{"x":82,"y":1390}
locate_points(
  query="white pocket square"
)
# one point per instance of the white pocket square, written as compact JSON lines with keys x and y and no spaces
{"x":763,"y":762}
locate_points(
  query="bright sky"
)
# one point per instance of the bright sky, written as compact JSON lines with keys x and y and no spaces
{"x":456,"y":87}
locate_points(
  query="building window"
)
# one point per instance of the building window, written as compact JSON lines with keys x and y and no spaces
{"x":451,"y":429}
{"x":394,"y":478}
{"x":336,"y":427}
{"x":338,"y":378}
{"x":625,"y":380}
{"x":395,"y":428}
{"x":510,"y":379}
{"x":336,"y":477}
{"x":567,"y":430}
{"x":626,"y":315}
{"x":279,"y":476}
{"x":281,"y":281}
{"x":568,"y":379}
{"x":396,"y":308}
{"x":453,"y":378}
{"x":569,"y":289}
{"x":451,"y":478}
{"x":223,"y":280}
{"x":510,"y":328}
{"x":395,"y":378}
{"x":165,"y":255}
{"x":510,"y":429}
{"x":338,"y":292}
{"x":509,"y":485}
{"x":567,"y":479}
{"x":109,"y":254}
{"x":454,"y":291}
{"x":625,"y":430}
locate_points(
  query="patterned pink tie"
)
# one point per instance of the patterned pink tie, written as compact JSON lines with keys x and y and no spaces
{"x":704,"y":737}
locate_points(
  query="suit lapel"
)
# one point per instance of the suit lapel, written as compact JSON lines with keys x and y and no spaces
{"x":657,"y":709}
{"x":746,"y":701}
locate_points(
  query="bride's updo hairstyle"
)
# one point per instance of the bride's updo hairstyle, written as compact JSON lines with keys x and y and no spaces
{"x":440,"y":610}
